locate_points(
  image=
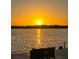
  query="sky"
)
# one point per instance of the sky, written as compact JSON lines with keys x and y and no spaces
{"x":50,"y":12}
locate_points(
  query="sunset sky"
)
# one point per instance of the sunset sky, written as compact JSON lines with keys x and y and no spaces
{"x":49,"y":12}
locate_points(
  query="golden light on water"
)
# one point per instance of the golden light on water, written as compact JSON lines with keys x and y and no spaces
{"x":38,"y":40}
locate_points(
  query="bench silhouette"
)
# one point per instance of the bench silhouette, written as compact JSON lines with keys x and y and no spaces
{"x":42,"y":53}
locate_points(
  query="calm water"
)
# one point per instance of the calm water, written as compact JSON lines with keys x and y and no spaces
{"x":25,"y":39}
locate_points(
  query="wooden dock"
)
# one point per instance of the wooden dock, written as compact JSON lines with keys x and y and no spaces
{"x":43,"y":53}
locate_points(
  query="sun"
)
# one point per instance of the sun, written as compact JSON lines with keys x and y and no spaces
{"x":38,"y":22}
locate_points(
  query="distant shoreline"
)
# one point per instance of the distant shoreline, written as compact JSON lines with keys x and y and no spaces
{"x":40,"y":27}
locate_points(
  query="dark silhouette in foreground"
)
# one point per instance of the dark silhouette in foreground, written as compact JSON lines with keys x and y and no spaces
{"x":43,"y":53}
{"x":60,"y":47}
{"x":59,"y":54}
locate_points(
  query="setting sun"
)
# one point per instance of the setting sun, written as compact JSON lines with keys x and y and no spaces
{"x":39,"y":12}
{"x":39,"y":22}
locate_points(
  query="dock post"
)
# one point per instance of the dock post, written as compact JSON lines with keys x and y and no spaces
{"x":64,"y":44}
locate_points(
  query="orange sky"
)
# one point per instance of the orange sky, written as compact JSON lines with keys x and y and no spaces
{"x":26,"y":12}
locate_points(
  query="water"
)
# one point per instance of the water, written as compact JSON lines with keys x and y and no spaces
{"x":25,"y":39}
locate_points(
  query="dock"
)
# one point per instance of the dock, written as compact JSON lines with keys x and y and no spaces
{"x":59,"y":54}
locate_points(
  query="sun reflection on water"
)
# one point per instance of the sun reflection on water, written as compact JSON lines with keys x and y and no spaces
{"x":38,"y":40}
